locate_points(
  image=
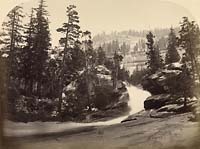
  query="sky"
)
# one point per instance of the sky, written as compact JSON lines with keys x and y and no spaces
{"x":100,"y":16}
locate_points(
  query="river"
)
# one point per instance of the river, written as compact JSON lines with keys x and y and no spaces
{"x":136,"y":104}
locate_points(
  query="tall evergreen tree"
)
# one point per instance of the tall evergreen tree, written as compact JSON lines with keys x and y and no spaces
{"x":185,"y":81}
{"x":172,"y":54}
{"x":101,"y":56}
{"x":190,"y":40}
{"x":11,"y":40}
{"x":90,"y":63}
{"x":154,"y":59}
{"x":124,"y":48}
{"x":115,"y":75}
{"x":41,"y":45}
{"x":159,"y":59}
{"x":53,"y":71}
{"x":27,"y":56}
{"x":71,"y":30}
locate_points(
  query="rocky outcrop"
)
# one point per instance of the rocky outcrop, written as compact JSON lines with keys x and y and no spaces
{"x":106,"y":102}
{"x":164,"y":105}
{"x":157,"y":101}
{"x":159,"y":82}
{"x":167,"y":96}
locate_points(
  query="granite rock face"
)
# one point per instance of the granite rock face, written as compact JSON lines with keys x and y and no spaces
{"x":156,"y":101}
{"x":164,"y":85}
{"x":159,"y":82}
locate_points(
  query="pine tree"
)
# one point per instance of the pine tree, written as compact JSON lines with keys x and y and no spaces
{"x":159,"y":59}
{"x":101,"y":56}
{"x":117,"y":60}
{"x":124,"y":48}
{"x":53,"y":71}
{"x":115,"y":46}
{"x":154,"y":59}
{"x":190,"y":40}
{"x":172,"y":54}
{"x":184,"y":82}
{"x":90,"y":63}
{"x":27,"y":56}
{"x":11,"y":40}
{"x":71,"y":30}
{"x":41,"y":45}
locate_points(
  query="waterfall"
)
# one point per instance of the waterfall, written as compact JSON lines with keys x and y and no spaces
{"x":137,"y":97}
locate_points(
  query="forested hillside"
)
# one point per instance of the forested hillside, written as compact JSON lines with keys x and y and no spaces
{"x":56,"y":83}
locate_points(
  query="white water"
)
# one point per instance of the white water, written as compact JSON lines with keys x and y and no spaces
{"x":137,"y":97}
{"x":136,"y":103}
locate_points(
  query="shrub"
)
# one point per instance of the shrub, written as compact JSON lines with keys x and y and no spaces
{"x":103,"y":96}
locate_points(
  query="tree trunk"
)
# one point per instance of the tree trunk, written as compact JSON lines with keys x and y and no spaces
{"x":197,"y":69}
{"x":3,"y":100}
{"x":61,"y":83}
{"x":2,"y":141}
{"x":38,"y":89}
{"x":30,"y":89}
{"x":60,"y":99}
{"x":26,"y":84}
{"x":185,"y":102}
{"x":115,"y":78}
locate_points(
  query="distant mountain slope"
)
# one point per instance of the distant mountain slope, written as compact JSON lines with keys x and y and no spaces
{"x":134,"y":51}
{"x":130,"y":37}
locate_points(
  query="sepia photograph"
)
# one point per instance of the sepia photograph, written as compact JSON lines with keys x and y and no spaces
{"x":99,"y":74}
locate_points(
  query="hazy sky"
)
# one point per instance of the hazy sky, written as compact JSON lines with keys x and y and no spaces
{"x":110,"y":15}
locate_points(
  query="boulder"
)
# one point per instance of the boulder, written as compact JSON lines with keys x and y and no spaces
{"x":102,"y":70}
{"x":150,"y":84}
{"x":156,"y":101}
{"x":165,"y":102}
{"x":159,"y":82}
{"x":103,"y":76}
{"x":164,"y":114}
